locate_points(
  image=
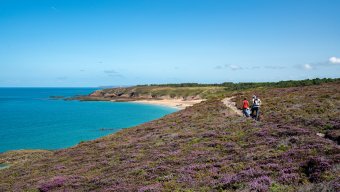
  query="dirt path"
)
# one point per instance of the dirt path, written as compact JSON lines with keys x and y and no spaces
{"x":232,"y":105}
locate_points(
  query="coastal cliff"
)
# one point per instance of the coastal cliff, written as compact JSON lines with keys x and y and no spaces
{"x":206,"y":147}
{"x":151,"y":92}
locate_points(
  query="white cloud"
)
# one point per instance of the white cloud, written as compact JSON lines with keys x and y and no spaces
{"x":110,"y":72}
{"x":334,"y":60}
{"x":113,"y":73}
{"x":54,"y":8}
{"x":62,"y":79}
{"x":237,"y":67}
{"x":307,"y":66}
{"x":218,"y":67}
{"x":234,"y":67}
{"x":274,"y":67}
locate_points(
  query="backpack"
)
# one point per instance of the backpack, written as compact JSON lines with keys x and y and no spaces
{"x":256,"y":102}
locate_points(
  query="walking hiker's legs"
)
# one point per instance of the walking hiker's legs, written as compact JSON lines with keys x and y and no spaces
{"x":257,"y":114}
{"x":245,"y":112}
{"x":252,"y":112}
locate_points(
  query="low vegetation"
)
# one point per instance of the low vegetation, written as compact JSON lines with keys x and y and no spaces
{"x":242,"y":86}
{"x":153,"y":92}
{"x":205,"y":147}
{"x":189,"y":91}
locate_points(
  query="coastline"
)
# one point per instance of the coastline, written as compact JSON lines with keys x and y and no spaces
{"x":174,"y":103}
{"x":190,"y":137}
{"x":178,"y":104}
{"x":105,"y":120}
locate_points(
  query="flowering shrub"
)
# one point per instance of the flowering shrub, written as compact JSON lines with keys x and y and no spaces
{"x":288,"y":176}
{"x":260,"y":184}
{"x":227,"y":180}
{"x":53,"y":183}
{"x":151,"y":188}
{"x":201,"y":148}
{"x":314,"y":168}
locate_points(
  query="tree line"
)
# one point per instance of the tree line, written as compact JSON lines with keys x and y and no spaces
{"x":230,"y":86}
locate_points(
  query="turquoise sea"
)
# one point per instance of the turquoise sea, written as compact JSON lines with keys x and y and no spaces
{"x":30,"y":119}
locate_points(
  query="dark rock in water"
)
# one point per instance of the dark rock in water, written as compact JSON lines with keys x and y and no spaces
{"x":88,"y":98}
{"x":56,"y":97}
{"x":107,"y":129}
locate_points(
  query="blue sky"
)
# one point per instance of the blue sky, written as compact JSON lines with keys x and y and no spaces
{"x":97,"y":43}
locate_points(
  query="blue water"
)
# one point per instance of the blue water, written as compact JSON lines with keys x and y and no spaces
{"x":29,"y":119}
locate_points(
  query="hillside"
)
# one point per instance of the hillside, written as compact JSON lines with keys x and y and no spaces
{"x":152,"y":92}
{"x":205,"y":147}
{"x":189,"y":91}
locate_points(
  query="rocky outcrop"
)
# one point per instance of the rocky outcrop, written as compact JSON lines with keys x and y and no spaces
{"x":110,"y":95}
{"x":139,"y":93}
{"x":98,"y":93}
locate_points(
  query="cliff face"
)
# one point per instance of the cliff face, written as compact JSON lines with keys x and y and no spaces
{"x":203,"y":148}
{"x":120,"y":93}
{"x":152,"y":92}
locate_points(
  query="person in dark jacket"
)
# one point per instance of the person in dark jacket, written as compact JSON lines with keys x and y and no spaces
{"x":256,"y":107}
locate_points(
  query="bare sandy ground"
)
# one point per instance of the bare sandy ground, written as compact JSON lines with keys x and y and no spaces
{"x":176,"y":103}
{"x":232,"y":105}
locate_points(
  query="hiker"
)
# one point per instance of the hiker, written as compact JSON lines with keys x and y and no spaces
{"x":245,"y":108}
{"x":255,"y":107}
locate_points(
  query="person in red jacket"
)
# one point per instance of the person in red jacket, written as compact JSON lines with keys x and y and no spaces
{"x":245,"y":107}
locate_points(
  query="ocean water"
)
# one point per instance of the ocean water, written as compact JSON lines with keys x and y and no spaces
{"x":30,"y":119}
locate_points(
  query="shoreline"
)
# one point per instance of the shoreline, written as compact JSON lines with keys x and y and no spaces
{"x":179,"y":104}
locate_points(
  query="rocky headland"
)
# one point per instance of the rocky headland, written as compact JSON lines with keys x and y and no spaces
{"x":150,"y":93}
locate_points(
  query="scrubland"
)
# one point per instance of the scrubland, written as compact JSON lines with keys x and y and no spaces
{"x":206,"y":147}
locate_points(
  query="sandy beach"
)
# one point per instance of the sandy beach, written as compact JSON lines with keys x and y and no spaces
{"x":176,"y":103}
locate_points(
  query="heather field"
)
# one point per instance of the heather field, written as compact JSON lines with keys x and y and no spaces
{"x":205,"y":147}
